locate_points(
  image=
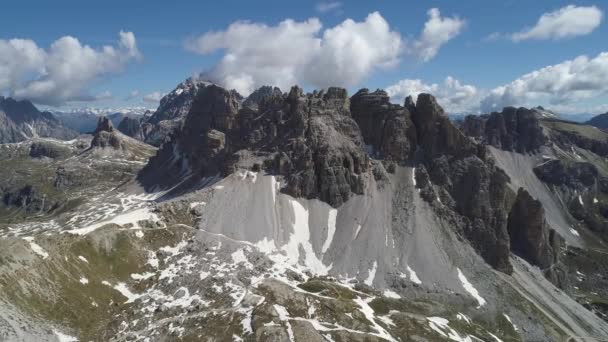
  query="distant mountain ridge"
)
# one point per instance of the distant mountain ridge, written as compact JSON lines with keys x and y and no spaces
{"x":85,"y":120}
{"x":20,"y":120}
{"x":599,"y":121}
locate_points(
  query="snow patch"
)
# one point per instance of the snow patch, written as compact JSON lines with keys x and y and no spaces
{"x":36,"y":247}
{"x":132,"y":217}
{"x":141,"y":276}
{"x":124,"y":290}
{"x":440,"y":326}
{"x":284,"y":317}
{"x":357,"y":230}
{"x":195,"y":204}
{"x":61,"y":337}
{"x":496,"y":337}
{"x":83,"y":259}
{"x":413,"y":276}
{"x":84,"y":280}
{"x":391,"y":294}
{"x":574,"y":232}
{"x":470,"y":289}
{"x":300,"y":239}
{"x":331,"y":229}
{"x":369,"y":314}
{"x":371,"y":274}
{"x":509,"y":319}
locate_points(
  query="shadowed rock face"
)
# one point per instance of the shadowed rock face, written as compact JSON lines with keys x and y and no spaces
{"x":531,"y":238}
{"x":387,"y":128}
{"x":131,"y":127}
{"x":600,"y":121}
{"x":578,"y":175}
{"x":437,"y":135}
{"x":513,"y":129}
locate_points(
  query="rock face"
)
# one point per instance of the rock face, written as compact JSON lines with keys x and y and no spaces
{"x":531,"y":238}
{"x":462,"y":175}
{"x":577,"y":175}
{"x":40,"y":149}
{"x":388,"y":129}
{"x":289,"y":134}
{"x":513,"y":129}
{"x":579,"y":183}
{"x":20,"y":120}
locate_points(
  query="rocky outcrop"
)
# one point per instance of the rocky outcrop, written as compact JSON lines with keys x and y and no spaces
{"x":437,"y":135}
{"x":531,"y":237}
{"x":105,"y":136}
{"x":40,"y":149}
{"x":513,"y":129}
{"x":387,"y":128}
{"x":288,"y":134}
{"x":20,"y":120}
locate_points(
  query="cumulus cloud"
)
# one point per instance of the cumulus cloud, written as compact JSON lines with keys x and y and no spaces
{"x":64,"y":71}
{"x":351,"y":51}
{"x":566,"y":22}
{"x":565,"y":83}
{"x":299,"y":52}
{"x":153,"y":97}
{"x":437,"y":31}
{"x":328,"y":6}
{"x":452,"y":95}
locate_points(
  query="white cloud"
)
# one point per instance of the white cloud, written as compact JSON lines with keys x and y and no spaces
{"x":132,"y":95}
{"x":153,"y":97}
{"x":566,"y":22}
{"x":328,"y":6}
{"x":452,"y":95}
{"x":351,"y":51}
{"x":257,"y":54}
{"x":64,"y":71}
{"x":437,"y":31}
{"x":565,"y":83}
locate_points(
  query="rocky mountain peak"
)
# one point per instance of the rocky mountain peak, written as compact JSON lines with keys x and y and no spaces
{"x":20,"y":120}
{"x":261,"y":96}
{"x":513,"y":129}
{"x":105,"y":136}
{"x":104,"y":124}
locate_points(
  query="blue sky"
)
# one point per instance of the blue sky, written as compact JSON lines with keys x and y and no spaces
{"x":161,"y":29}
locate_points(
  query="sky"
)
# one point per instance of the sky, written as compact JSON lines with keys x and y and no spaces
{"x":473,"y":55}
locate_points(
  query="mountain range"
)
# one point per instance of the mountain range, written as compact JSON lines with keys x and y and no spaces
{"x":294,"y":216}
